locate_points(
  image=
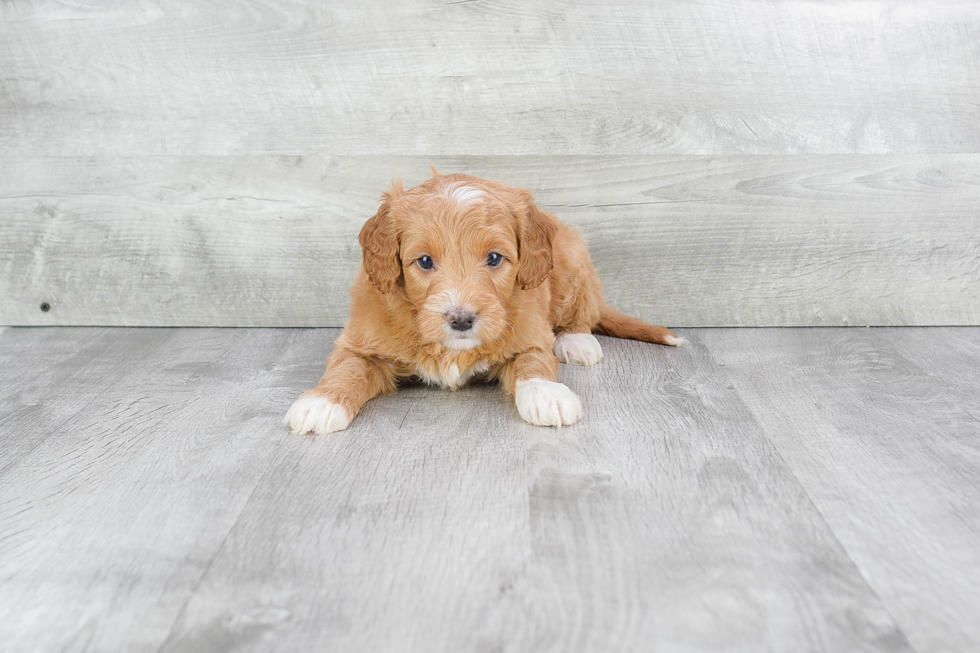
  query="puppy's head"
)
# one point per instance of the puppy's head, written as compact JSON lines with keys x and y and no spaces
{"x":457,"y":248}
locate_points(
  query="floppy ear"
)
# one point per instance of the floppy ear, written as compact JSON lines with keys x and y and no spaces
{"x":536,"y":230}
{"x":379,"y":245}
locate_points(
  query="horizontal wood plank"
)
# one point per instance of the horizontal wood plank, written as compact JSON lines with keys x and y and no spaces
{"x":704,"y":241}
{"x":489,"y":77}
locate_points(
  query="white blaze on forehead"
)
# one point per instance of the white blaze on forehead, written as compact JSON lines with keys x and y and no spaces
{"x":460,"y":193}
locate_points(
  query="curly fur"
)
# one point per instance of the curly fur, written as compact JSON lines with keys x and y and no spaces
{"x":544,"y":286}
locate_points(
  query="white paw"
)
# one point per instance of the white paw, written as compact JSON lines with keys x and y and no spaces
{"x":546,"y":403}
{"x":319,"y":415}
{"x":578,"y":349}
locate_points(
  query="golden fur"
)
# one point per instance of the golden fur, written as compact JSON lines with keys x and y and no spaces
{"x":544,"y":286}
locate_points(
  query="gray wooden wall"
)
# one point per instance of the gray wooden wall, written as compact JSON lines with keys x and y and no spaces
{"x":744,"y":162}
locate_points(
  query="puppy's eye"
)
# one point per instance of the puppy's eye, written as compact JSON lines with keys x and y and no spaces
{"x":425,"y":262}
{"x":494,"y":259}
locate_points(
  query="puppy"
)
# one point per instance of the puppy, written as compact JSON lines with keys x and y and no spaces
{"x":465,"y":277}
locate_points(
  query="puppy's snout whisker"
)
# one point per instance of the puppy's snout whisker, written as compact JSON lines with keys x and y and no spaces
{"x":461,"y":319}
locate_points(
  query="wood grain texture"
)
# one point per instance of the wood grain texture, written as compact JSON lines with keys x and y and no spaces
{"x":662,"y":522}
{"x":146,"y":445}
{"x":29,"y":377}
{"x":682,"y":241}
{"x":960,"y":360}
{"x":489,"y":77}
{"x":887,"y":452}
{"x":175,"y":514}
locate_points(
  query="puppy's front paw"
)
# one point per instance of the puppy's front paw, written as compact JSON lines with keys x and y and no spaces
{"x":578,"y":349}
{"x":546,"y":403}
{"x":316,"y":414}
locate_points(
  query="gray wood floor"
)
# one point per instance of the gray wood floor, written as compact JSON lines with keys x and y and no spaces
{"x":756,"y":490}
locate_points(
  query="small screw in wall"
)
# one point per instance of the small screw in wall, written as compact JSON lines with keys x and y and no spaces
{"x":45,"y":307}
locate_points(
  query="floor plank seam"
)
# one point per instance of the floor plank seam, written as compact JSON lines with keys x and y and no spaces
{"x":773,"y":489}
{"x":785,"y":463}
{"x":217,"y":551}
{"x":81,"y":409}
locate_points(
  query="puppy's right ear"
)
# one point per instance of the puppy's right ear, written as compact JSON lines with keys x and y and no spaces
{"x":379,"y":244}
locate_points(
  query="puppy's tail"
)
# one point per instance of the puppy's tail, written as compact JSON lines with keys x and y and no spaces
{"x":620,"y":325}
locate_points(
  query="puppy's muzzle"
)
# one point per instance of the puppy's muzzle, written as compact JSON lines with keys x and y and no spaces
{"x":461,"y":319}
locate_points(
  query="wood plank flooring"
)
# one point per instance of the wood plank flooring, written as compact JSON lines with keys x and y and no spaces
{"x":755,"y":490}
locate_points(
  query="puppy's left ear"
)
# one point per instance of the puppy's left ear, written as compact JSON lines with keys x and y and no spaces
{"x":379,"y":244}
{"x":537,"y":229}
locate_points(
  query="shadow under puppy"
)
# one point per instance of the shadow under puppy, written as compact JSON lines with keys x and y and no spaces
{"x":464,"y":277}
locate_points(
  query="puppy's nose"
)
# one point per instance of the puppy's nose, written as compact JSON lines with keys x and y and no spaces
{"x":461,"y":319}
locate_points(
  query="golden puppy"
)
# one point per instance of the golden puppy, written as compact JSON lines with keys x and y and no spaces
{"x":464,"y":277}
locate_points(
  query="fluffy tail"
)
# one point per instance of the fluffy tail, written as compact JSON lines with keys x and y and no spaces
{"x":614,"y":323}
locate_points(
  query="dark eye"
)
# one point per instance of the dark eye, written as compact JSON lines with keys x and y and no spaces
{"x":425,"y":262}
{"x":494,"y":259}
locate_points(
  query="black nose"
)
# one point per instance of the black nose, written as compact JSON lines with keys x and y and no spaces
{"x":461,"y":320}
